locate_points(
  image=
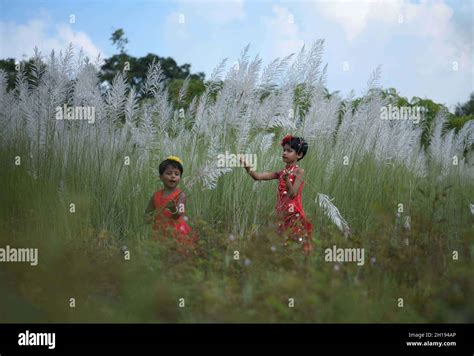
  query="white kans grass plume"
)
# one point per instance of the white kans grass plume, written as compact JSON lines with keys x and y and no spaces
{"x":208,"y":176}
{"x":241,"y":110}
{"x":266,"y":142}
{"x":407,"y":223}
{"x":332,"y":212}
{"x":448,"y":150}
{"x":271,"y":75}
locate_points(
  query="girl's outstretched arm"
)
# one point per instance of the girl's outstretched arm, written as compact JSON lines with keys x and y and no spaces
{"x":257,"y":175}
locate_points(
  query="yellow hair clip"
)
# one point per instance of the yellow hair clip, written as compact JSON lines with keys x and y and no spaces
{"x":175,"y":158}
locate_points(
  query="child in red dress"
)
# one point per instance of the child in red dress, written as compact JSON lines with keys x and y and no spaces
{"x":169,"y":204}
{"x":289,"y":208}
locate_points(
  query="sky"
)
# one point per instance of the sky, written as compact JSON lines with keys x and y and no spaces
{"x":424,"y":48}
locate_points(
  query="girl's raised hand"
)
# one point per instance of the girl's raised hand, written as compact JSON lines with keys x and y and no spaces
{"x":245,"y":164}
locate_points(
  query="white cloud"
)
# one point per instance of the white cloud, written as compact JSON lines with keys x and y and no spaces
{"x":176,"y":27}
{"x":433,"y":23}
{"x":215,"y":12}
{"x":282,"y":33}
{"x":430,"y":18}
{"x":430,"y":24}
{"x":19,"y":40}
{"x":222,"y":12}
{"x":351,"y":15}
{"x":194,"y":31}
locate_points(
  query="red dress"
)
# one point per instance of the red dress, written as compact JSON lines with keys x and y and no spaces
{"x":165,"y":225}
{"x":289,"y":211}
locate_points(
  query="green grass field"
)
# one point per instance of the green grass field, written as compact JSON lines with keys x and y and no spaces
{"x":420,"y":273}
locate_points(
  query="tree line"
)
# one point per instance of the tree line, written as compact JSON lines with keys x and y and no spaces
{"x":174,"y":76}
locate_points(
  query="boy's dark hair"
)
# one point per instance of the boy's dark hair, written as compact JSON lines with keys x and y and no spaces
{"x":296,"y":143}
{"x":169,"y":162}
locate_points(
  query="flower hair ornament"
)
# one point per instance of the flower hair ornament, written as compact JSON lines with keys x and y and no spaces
{"x":175,"y":158}
{"x":286,"y":139}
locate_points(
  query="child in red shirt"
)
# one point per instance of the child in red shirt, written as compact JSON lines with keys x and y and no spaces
{"x":169,"y":204}
{"x":289,"y":208}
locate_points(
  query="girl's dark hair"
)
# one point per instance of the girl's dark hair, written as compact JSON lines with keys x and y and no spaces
{"x":169,"y":162}
{"x":296,"y":143}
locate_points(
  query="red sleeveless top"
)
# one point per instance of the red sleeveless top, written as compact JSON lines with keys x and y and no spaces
{"x":164,"y":222}
{"x":290,"y":214}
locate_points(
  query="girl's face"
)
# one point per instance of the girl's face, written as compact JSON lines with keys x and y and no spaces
{"x":289,"y":154}
{"x":171,"y":177}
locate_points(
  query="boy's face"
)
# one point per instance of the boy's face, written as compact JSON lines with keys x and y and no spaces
{"x":289,"y":154}
{"x":171,"y":177}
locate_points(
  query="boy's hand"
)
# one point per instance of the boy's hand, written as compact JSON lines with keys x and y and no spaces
{"x":170,"y":205}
